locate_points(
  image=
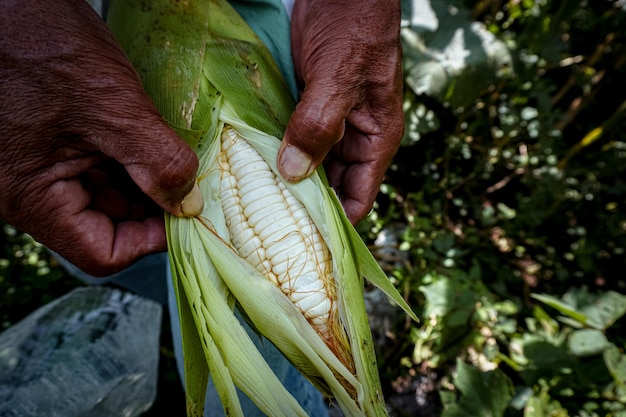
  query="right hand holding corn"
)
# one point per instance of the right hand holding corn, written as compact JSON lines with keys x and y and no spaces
{"x":347,"y":57}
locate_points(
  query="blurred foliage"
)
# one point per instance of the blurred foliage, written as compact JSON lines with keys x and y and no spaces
{"x":506,"y":207}
{"x":502,"y":218}
{"x":29,"y":276}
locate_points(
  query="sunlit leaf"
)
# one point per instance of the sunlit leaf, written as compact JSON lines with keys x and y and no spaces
{"x":561,"y":307}
{"x":598,"y":312}
{"x":444,"y":298}
{"x":605,"y":310}
{"x":448,"y":56}
{"x":615,"y":361}
{"x":587,"y":342}
{"x":543,"y":406}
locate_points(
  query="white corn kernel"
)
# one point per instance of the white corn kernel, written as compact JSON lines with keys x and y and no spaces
{"x":272,"y":230}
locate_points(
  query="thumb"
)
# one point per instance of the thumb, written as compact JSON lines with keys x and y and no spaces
{"x":317,"y":123}
{"x":168,"y":175}
{"x":158,"y":161}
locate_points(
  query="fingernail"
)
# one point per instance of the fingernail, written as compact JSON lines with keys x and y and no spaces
{"x":296,"y":164}
{"x":193,"y":203}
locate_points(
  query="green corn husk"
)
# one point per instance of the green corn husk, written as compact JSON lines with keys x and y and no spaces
{"x":204,"y":67}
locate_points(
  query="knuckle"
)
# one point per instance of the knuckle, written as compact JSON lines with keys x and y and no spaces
{"x":91,"y":254}
{"x":319,"y":126}
{"x":180,"y":168}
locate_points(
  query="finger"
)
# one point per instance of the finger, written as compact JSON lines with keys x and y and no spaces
{"x":317,"y":124}
{"x":159,"y":162}
{"x":361,"y":190}
{"x":119,"y":205}
{"x":355,"y":182}
{"x":356,"y":166}
{"x":117,"y":245}
{"x":89,"y":238}
{"x":125,"y":243}
{"x":114,"y":193}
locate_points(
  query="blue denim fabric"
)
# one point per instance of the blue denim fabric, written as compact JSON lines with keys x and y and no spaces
{"x":151,"y":277}
{"x":145,"y":277}
{"x":270,"y":21}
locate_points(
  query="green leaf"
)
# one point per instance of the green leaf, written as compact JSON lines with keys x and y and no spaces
{"x":616,"y":364}
{"x":448,"y":299}
{"x":174,"y":47}
{"x":545,"y":355}
{"x":587,"y":342}
{"x":443,"y":243}
{"x":521,"y":398}
{"x":375,"y":275}
{"x":228,"y":349}
{"x":561,"y":307}
{"x":196,"y":368}
{"x":447,"y":55}
{"x":605,"y":310}
{"x":542,"y":406}
{"x":596,"y":311}
{"x":548,"y":324}
{"x":164,"y":41}
{"x":485,"y":394}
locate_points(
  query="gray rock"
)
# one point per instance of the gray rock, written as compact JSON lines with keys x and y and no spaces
{"x":93,"y":352}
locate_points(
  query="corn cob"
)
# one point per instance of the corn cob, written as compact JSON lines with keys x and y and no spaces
{"x":271,"y":229}
{"x":284,"y":253}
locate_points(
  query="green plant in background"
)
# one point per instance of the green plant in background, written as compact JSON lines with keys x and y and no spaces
{"x":502,"y":218}
{"x":507,"y":203}
{"x":29,"y":276}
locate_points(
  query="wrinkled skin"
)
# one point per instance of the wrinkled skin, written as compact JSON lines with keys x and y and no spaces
{"x":347,"y":57}
{"x":83,"y":151}
{"x":87,"y":165}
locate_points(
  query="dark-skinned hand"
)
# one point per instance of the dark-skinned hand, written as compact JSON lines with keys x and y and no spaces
{"x":347,"y":57}
{"x":84,"y":154}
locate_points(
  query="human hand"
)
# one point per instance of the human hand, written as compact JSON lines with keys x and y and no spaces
{"x":347,"y":56}
{"x":85,"y":158}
